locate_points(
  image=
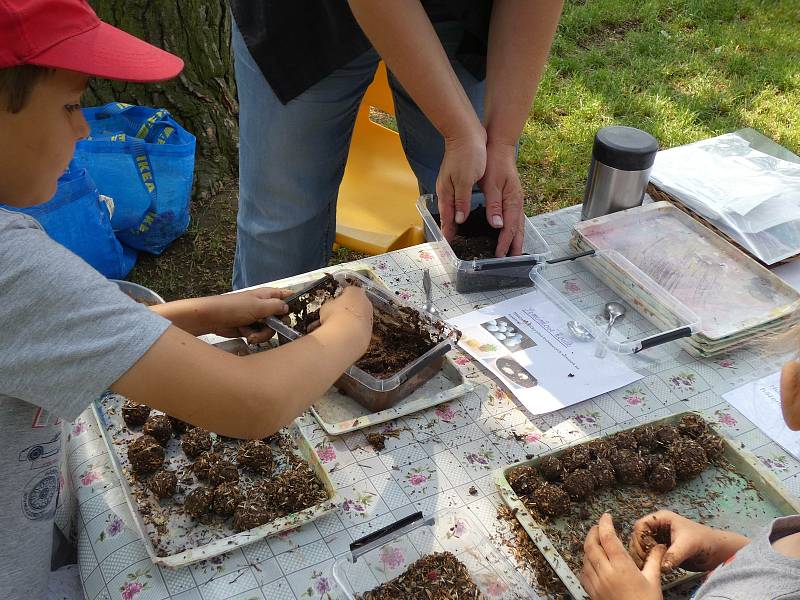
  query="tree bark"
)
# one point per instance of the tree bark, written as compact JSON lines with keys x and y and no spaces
{"x":203,"y":97}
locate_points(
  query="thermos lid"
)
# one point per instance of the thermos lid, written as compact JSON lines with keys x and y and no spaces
{"x":625,"y":148}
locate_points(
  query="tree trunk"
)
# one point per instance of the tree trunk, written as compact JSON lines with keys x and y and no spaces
{"x":203,"y":97}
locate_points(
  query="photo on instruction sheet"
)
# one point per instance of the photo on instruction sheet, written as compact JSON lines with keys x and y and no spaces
{"x":508,"y":334}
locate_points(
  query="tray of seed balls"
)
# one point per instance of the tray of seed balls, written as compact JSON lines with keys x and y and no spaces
{"x":679,"y":463}
{"x":194,"y":494}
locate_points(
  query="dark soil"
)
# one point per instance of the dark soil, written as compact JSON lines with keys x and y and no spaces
{"x":475,"y":239}
{"x":399,"y":336}
{"x":438,"y":576}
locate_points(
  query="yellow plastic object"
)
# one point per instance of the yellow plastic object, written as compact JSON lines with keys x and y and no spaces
{"x":376,"y":209}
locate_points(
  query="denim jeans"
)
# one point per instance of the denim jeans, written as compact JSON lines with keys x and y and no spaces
{"x":292,"y":158}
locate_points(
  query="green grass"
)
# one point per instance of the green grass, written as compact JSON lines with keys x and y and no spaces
{"x":684,"y":70}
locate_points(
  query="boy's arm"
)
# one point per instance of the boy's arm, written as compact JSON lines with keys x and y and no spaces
{"x":252,"y":396}
{"x":227,"y":315}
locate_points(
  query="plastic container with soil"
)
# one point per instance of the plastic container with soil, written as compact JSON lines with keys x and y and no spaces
{"x":445,"y":556}
{"x":471,"y":264}
{"x":369,"y":382}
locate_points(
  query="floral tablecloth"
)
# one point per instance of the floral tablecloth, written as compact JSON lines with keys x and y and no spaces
{"x":431,"y":462}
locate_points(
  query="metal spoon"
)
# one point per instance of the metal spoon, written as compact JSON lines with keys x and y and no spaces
{"x":579,"y":332}
{"x":613,"y":311}
{"x":426,"y":285}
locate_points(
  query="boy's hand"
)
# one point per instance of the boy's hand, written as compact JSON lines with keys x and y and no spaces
{"x":231,"y":315}
{"x":352,"y":312}
{"x":691,"y":546}
{"x":609,"y":572}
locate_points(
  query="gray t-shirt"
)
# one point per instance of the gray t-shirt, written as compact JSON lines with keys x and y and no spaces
{"x":757,"y":571}
{"x":66,"y":334}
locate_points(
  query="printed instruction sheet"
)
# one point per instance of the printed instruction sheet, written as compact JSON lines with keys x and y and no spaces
{"x":525,"y":342}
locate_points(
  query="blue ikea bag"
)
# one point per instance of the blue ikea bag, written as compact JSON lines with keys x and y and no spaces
{"x":80,"y":220}
{"x":144,"y":160}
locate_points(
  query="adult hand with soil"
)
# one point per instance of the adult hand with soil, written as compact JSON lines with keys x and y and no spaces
{"x":228,"y":315}
{"x":349,"y":312}
{"x":463,"y":165}
{"x":690,"y":545}
{"x":609,"y":572}
{"x":504,"y":198}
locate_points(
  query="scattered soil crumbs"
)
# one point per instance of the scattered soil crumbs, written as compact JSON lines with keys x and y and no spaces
{"x":400,"y":335}
{"x":528,"y":555}
{"x":630,"y":474}
{"x":378,"y":439}
{"x":438,"y":576}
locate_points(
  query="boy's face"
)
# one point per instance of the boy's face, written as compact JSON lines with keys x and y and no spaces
{"x":40,"y":139}
{"x":790,"y":394}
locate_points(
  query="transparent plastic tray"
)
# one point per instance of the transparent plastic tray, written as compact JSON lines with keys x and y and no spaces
{"x":583,"y":289}
{"x":369,"y":391}
{"x":743,"y":501}
{"x":388,"y":552}
{"x":488,"y":273}
{"x":729,"y":291}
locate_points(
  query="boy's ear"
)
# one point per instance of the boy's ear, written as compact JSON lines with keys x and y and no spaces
{"x":790,"y":394}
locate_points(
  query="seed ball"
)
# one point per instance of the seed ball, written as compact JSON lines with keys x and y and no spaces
{"x":551,"y":468}
{"x":223,"y":471}
{"x":163,"y":483}
{"x":579,"y":484}
{"x":575,"y":458}
{"x":692,"y":426}
{"x":667,"y":434}
{"x":196,"y":441}
{"x":226,"y":498}
{"x":603,"y":473}
{"x":630,"y":468}
{"x":624,"y":440}
{"x":550,"y":500}
{"x":145,"y":454}
{"x":524,"y":480}
{"x":688,"y":457}
{"x":198,"y":502}
{"x":159,"y":427}
{"x":662,"y":478}
{"x":256,"y":456}
{"x":134,"y":414}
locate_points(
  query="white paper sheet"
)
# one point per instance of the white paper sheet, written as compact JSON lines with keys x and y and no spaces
{"x":525,"y":342}
{"x":760,"y":401}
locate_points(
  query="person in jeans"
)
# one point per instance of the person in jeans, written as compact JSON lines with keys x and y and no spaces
{"x":463,"y":74}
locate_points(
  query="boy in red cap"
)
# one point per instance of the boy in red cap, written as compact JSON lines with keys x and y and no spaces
{"x":68,"y":334}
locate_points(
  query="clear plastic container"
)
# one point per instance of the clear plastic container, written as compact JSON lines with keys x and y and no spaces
{"x":652,"y":316}
{"x":387,"y":553}
{"x":369,"y":391}
{"x":489,"y":273}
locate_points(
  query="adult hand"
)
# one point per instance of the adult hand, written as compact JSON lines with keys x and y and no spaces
{"x":230,"y":315}
{"x":504,"y":198}
{"x":609,"y":572}
{"x":463,"y":165}
{"x":690,"y":545}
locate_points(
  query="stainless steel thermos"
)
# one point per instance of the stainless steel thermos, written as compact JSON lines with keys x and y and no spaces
{"x":622,"y":158}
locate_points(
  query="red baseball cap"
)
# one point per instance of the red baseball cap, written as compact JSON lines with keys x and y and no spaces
{"x":67,"y":34}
